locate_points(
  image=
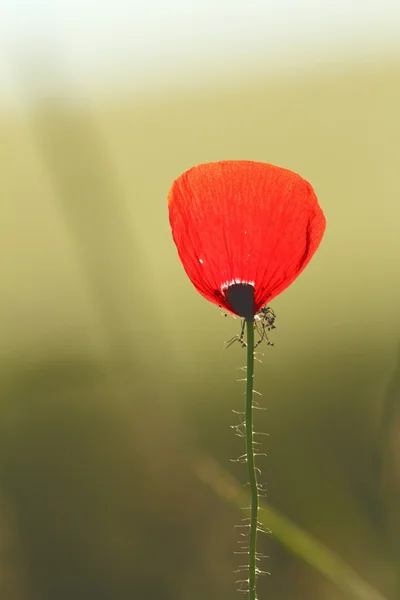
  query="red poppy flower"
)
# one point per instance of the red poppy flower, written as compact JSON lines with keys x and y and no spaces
{"x":244,"y":231}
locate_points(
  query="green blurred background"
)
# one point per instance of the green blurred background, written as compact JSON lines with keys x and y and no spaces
{"x":114,"y":380}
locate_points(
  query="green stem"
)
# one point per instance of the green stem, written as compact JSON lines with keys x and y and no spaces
{"x":250,"y":460}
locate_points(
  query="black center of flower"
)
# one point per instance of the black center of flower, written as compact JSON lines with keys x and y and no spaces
{"x":241,"y":298}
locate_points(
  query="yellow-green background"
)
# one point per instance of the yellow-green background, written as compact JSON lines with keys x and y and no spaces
{"x":114,"y":380}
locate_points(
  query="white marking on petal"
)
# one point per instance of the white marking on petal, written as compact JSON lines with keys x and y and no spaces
{"x":227,"y":284}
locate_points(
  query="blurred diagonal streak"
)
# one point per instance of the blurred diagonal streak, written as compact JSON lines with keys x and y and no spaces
{"x":91,"y":201}
{"x":389,"y":462}
{"x":296,"y":540}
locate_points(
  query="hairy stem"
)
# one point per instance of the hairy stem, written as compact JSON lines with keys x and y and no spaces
{"x":250,"y":460}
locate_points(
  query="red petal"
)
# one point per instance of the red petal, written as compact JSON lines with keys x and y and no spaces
{"x":244,"y":222}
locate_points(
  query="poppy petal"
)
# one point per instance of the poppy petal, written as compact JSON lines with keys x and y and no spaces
{"x":244,"y":222}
